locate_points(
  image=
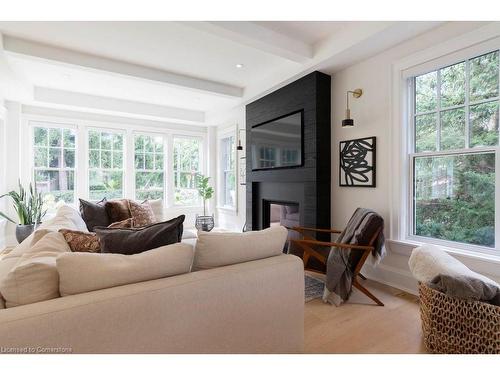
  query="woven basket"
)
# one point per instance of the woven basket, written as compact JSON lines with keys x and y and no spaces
{"x":452,"y":325}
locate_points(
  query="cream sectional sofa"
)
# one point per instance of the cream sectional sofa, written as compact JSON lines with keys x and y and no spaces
{"x":246,"y":306}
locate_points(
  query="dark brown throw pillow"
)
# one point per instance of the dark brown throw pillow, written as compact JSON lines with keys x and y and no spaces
{"x":127,"y":223}
{"x":94,"y":214}
{"x":117,"y":210}
{"x":130,"y":241}
{"x":85,"y":242}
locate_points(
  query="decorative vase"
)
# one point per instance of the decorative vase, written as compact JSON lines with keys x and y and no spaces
{"x":23,"y":231}
{"x":205,"y":223}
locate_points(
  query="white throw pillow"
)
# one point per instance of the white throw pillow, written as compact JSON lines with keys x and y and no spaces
{"x":35,"y":278}
{"x":216,"y":249}
{"x":157,"y":207}
{"x":85,"y":272}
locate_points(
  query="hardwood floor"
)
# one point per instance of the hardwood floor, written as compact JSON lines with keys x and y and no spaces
{"x":360,"y":326}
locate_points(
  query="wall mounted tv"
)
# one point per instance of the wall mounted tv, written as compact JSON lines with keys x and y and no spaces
{"x":278,"y":143}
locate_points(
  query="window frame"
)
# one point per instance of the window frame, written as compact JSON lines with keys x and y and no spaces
{"x":124,"y":133}
{"x":51,"y":124}
{"x":201,"y":163}
{"x":411,"y":154}
{"x":231,"y":133}
{"x":165,"y":151}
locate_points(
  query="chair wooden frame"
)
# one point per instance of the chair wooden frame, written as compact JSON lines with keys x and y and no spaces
{"x":307,"y":243}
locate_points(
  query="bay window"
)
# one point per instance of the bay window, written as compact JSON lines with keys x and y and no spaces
{"x":54,"y":161}
{"x":455,"y":145}
{"x":105,"y":160}
{"x":149,"y":166}
{"x":187,"y":166}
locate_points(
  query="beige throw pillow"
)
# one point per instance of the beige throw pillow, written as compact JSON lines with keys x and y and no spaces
{"x":216,"y":249}
{"x":35,"y":277}
{"x":142,"y":213}
{"x":84,"y":272}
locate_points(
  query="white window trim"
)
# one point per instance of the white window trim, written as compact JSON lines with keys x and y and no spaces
{"x":83,"y":125}
{"x":223,"y":134}
{"x":475,"y":43}
{"x":203,"y":167}
{"x":165,"y":153}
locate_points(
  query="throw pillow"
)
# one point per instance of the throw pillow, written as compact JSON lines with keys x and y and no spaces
{"x":117,"y":210}
{"x":142,"y":213}
{"x":127,"y":223}
{"x":130,"y":241}
{"x":84,"y":272}
{"x":94,"y":214}
{"x":217,"y":249}
{"x":86,"y":242}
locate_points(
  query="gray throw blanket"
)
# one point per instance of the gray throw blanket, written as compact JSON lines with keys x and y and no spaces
{"x":359,"y":230}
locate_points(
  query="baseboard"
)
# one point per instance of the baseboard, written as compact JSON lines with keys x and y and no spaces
{"x":392,"y":276}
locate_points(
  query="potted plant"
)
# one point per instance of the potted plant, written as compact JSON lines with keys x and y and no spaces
{"x":29,"y":209}
{"x":204,"y":223}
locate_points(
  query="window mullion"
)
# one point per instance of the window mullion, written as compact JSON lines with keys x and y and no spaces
{"x":438,"y":115}
{"x":467,"y":103}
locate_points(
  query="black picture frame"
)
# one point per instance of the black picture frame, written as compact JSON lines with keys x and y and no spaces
{"x":358,"y":162}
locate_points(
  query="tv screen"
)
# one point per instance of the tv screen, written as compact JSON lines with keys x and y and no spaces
{"x":278,"y":143}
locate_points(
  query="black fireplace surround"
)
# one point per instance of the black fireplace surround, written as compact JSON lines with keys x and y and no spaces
{"x":308,"y":185}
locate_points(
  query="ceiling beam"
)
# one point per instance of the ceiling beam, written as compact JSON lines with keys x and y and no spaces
{"x":67,"y":56}
{"x":75,"y":99}
{"x":258,"y":37}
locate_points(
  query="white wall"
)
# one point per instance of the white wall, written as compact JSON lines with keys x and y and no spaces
{"x":372,"y":116}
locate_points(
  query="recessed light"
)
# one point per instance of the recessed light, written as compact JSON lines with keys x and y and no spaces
{"x":240,"y":66}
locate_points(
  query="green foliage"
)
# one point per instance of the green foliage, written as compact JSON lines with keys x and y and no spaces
{"x":205,"y":191}
{"x":28,"y":205}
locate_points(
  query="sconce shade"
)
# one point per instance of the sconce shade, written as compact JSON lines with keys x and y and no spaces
{"x":239,"y":147}
{"x":347,"y":122}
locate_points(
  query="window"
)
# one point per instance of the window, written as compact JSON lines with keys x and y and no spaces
{"x":149,"y":166}
{"x":456,"y":138}
{"x":186,"y":168}
{"x":54,"y":153}
{"x":105,"y":164}
{"x":228,"y":175}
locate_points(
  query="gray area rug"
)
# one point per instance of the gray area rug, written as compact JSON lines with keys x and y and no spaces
{"x":313,"y":288}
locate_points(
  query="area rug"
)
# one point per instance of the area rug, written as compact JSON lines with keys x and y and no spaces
{"x":313,"y":288}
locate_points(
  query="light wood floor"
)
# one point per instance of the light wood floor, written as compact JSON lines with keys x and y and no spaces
{"x":359,"y":326}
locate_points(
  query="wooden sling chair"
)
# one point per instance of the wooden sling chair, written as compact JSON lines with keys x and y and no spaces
{"x":359,"y":253}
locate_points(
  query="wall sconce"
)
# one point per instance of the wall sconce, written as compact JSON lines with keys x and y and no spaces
{"x":239,"y":147}
{"x":348,"y":121}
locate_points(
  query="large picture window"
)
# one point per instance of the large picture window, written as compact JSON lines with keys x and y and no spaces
{"x":228,"y":175}
{"x":149,"y":166}
{"x":187,"y":165}
{"x":105,"y":164}
{"x":54,"y":160}
{"x":455,"y":118}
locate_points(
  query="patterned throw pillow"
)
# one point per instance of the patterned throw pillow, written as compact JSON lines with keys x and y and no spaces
{"x":86,"y":242}
{"x":142,"y":213}
{"x":127,"y":223}
{"x":117,"y":210}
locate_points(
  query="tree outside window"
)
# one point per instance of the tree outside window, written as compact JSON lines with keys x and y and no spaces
{"x":149,"y":166}
{"x":228,"y":174}
{"x":186,"y":160}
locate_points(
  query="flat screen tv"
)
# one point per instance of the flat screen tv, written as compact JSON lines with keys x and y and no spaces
{"x":278,"y":143}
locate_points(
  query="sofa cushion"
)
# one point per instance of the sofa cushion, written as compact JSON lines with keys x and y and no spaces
{"x":117,"y":210}
{"x":94,"y":214}
{"x":141,"y":213}
{"x":216,"y":249}
{"x":2,"y":302}
{"x":136,"y":240}
{"x":81,"y":241}
{"x":34,"y":278}
{"x":433,"y":266}
{"x":84,"y":272}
